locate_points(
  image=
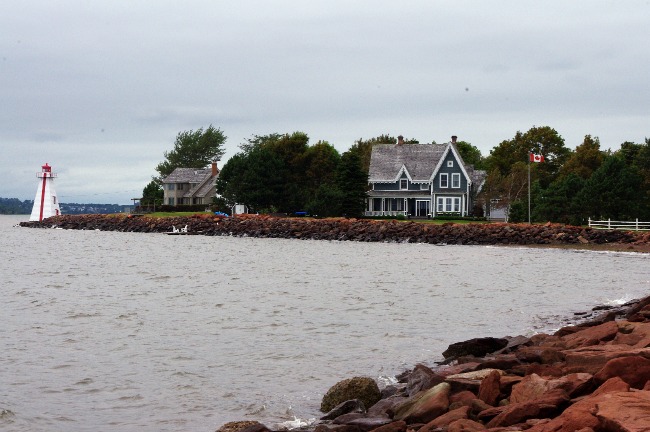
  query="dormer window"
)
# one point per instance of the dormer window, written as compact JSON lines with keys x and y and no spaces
{"x":403,"y":184}
{"x":450,"y":164}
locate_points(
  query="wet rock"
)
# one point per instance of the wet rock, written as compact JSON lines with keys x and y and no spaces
{"x":422,"y":378}
{"x":239,"y":426}
{"x":398,"y":426}
{"x":350,"y":406}
{"x":425,"y":406}
{"x":386,"y":407}
{"x":446,"y":419}
{"x":361,"y":388}
{"x":371,"y":423}
{"x":477,"y":347}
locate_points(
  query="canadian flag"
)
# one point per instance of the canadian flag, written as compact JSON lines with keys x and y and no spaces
{"x":536,"y":157}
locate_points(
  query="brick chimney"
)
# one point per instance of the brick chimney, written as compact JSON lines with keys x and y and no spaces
{"x":215,"y":170}
{"x":400,"y":140}
{"x":453,"y":139}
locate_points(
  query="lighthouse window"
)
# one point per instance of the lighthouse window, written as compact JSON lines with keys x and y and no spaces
{"x":54,"y":199}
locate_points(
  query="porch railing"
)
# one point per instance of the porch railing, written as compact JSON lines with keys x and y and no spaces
{"x":386,"y":213}
{"x":620,"y":225}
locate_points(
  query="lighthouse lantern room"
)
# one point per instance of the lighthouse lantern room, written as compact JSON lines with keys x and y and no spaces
{"x":46,"y":203}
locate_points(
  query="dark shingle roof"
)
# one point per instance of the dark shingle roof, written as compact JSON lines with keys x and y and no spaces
{"x":187,"y":175}
{"x":419,"y":159}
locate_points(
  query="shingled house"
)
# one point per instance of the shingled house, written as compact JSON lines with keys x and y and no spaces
{"x":421,"y":180}
{"x":190,"y":186}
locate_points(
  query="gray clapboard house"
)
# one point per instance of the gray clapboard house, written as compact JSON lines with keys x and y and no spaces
{"x":421,"y":180}
{"x":190,"y":186}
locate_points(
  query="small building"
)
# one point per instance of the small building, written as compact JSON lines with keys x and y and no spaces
{"x":421,"y":180}
{"x":190,"y":186}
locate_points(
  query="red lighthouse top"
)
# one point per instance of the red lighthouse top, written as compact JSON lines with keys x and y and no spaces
{"x":46,"y":172}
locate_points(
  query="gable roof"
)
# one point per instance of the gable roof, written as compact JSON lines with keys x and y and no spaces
{"x":421,"y":162}
{"x":386,"y":161}
{"x":187,"y":175}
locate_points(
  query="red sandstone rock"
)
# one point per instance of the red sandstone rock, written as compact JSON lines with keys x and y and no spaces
{"x":547,"y":406}
{"x":581,"y":414}
{"x":592,"y":335}
{"x":634,"y":370}
{"x":465,"y":425}
{"x":464,"y":397}
{"x":446,"y":419}
{"x":593,"y":358}
{"x":398,"y":426}
{"x":624,"y":411}
{"x":425,"y":406}
{"x":490,"y":388}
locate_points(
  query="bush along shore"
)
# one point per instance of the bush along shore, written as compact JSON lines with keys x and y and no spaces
{"x":590,"y":377}
{"x":359,"y":230}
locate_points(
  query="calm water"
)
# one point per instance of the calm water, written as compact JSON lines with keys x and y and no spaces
{"x":148,"y":332}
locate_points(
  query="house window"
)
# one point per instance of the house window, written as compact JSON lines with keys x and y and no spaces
{"x":403,"y":184}
{"x":448,"y":205}
{"x":450,"y":164}
{"x":444,"y":180}
{"x":455,"y":180}
{"x":180,"y":186}
{"x":170,"y":201}
{"x":170,"y":186}
{"x":424,"y":186}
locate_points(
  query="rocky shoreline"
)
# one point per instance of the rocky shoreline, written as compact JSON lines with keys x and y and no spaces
{"x":590,"y":377}
{"x":553,"y":235}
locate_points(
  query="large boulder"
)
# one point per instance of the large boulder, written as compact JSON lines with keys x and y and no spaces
{"x":624,"y":411}
{"x":634,"y":370}
{"x":362,"y":388}
{"x":477,"y":347}
{"x":425,"y":406}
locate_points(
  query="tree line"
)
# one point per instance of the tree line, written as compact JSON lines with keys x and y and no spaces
{"x":284,"y":173}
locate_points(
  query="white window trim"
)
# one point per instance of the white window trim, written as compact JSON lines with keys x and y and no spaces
{"x":446,"y":177}
{"x":455,"y":177}
{"x":406,"y":182}
{"x":450,"y":164}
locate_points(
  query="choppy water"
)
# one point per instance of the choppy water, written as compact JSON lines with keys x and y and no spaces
{"x":147,"y":332}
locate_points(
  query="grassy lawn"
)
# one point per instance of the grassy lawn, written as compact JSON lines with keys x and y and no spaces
{"x":174,"y":214}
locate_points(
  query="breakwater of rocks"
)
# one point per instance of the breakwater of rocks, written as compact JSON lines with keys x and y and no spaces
{"x":351,"y":230}
{"x":589,"y":377}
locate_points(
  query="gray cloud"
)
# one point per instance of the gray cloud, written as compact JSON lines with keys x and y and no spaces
{"x":100,"y":90}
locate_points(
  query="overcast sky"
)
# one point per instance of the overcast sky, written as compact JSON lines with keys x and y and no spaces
{"x":100,"y":89}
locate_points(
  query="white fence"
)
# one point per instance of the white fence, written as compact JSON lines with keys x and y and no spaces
{"x":620,"y":225}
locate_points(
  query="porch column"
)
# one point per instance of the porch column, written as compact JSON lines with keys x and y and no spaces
{"x":463,"y":202}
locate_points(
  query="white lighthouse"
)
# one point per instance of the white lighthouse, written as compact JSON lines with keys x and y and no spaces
{"x":46,"y":203}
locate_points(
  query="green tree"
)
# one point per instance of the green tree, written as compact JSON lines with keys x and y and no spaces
{"x":352,"y":183}
{"x":560,"y":201}
{"x":613,"y":191}
{"x":471,"y":154}
{"x":193,"y":149}
{"x":152,"y":194}
{"x":540,"y":140}
{"x":586,"y":159}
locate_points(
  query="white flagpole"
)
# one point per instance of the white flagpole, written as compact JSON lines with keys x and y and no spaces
{"x":529,"y":187}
